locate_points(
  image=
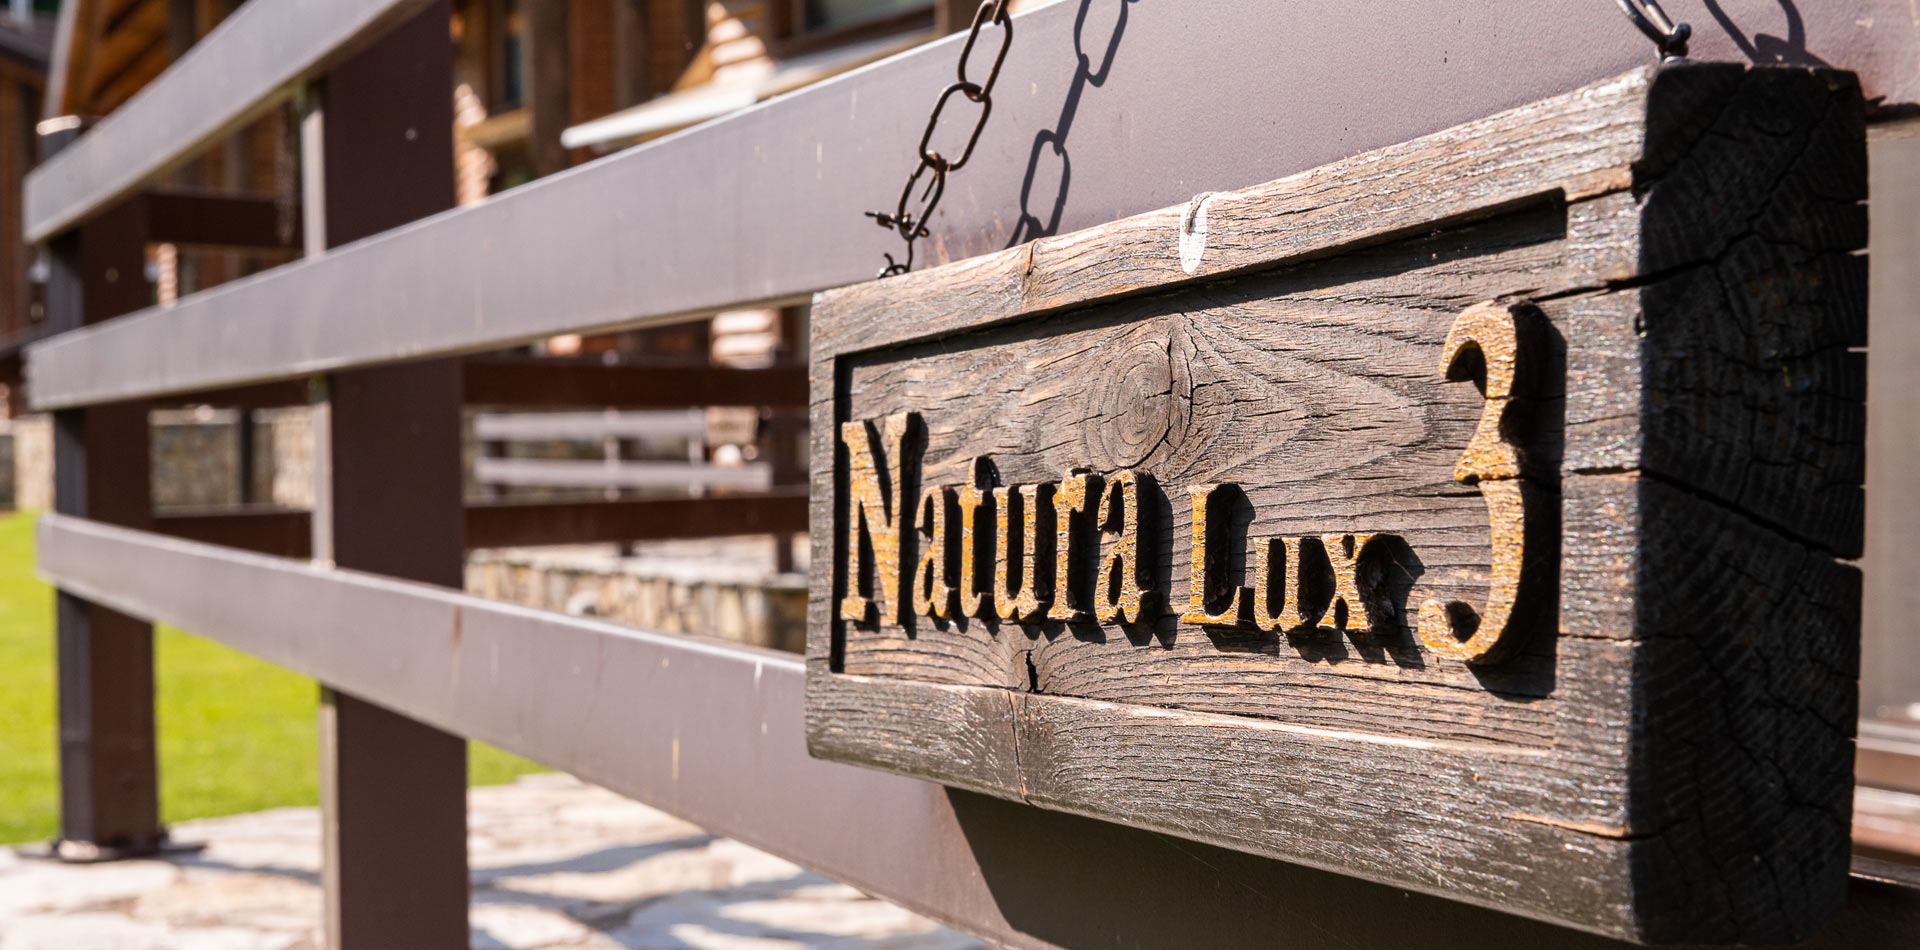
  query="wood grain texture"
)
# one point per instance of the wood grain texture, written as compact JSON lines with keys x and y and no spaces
{"x":1665,"y":756}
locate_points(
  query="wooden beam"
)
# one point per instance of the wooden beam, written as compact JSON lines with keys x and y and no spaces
{"x":15,"y":159}
{"x":274,"y":395}
{"x":527,"y":524}
{"x":536,"y":383}
{"x":109,"y":787}
{"x":530,"y":383}
{"x":389,"y":499}
{"x":285,"y":532}
{"x":593,"y":473}
{"x":632,"y":60}
{"x":589,"y":426}
{"x":282,"y":532}
{"x":216,"y":220}
{"x":549,"y":82}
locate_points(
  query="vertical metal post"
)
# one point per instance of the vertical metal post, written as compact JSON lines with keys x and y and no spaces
{"x":786,"y":426}
{"x":393,"y":790}
{"x":243,"y":449}
{"x":14,"y":162}
{"x":109,"y":781}
{"x":549,"y":93}
{"x":631,"y":59}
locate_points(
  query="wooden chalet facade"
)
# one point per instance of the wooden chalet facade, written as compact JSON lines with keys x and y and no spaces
{"x":24,"y":46}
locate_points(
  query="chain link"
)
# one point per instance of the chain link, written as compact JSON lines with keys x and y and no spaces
{"x":1669,"y":36}
{"x":912,"y":225}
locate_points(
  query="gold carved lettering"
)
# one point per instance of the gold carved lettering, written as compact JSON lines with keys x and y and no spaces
{"x":1069,"y":508}
{"x":973,"y":547}
{"x":1042,"y":541}
{"x":1279,"y":586}
{"x":1124,"y":589}
{"x":1021,"y":552}
{"x":1344,"y":552}
{"x":931,"y":595}
{"x":1493,"y":462}
{"x":1211,"y":599}
{"x":875,"y":511}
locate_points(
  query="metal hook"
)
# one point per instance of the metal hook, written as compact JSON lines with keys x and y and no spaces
{"x":1669,"y":36}
{"x":895,"y":268}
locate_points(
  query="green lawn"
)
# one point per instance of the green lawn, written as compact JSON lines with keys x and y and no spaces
{"x":236,"y":734}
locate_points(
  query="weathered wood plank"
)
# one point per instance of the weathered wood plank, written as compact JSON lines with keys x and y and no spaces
{"x":1489,"y":494}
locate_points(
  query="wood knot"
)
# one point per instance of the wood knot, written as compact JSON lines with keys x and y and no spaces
{"x":1139,"y":404}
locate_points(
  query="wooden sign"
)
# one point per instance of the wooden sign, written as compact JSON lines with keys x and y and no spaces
{"x":1470,"y":516}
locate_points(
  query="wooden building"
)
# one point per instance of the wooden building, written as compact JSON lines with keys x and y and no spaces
{"x":24,"y":45}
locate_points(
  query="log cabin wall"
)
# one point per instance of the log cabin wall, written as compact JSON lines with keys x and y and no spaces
{"x":23,"y":71}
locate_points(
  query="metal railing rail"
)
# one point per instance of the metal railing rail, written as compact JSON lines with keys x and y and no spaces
{"x":622,"y":473}
{"x":1111,"y":109}
{"x":506,"y":524}
{"x":251,"y":62}
{"x":625,"y":241}
{"x":590,"y":426}
{"x":715,"y":734}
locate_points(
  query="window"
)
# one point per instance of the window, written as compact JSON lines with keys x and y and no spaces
{"x":839,"y":14}
{"x":510,"y":62}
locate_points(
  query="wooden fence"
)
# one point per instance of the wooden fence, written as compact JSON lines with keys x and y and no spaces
{"x":374,"y":327}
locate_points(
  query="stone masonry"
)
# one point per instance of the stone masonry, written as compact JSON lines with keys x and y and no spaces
{"x":725,"y":588}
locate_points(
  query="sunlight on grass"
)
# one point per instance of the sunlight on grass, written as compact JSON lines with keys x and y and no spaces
{"x":236,"y":734}
{"x":28,"y":801}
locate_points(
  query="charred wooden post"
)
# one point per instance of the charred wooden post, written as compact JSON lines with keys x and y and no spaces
{"x":393,"y":790}
{"x":1539,"y":443}
{"x":109,"y":782}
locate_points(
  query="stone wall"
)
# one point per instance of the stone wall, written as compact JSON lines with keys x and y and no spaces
{"x":724,"y":588}
{"x":194,"y":459}
{"x":194,"y":456}
{"x":32,"y":462}
{"x":284,"y":439}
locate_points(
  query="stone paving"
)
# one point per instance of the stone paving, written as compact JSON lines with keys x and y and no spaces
{"x":557,"y":865}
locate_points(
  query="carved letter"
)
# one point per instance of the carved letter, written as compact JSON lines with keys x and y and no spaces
{"x":974,"y":551}
{"x":931,"y":595}
{"x":1028,"y":601}
{"x":1494,"y":462}
{"x":1211,"y":599}
{"x":1069,"y":509}
{"x":875,"y":511}
{"x":1123,"y":581}
{"x":1349,"y":609}
{"x":1279,"y":587}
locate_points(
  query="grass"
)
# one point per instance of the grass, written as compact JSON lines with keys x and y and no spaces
{"x":235,"y":734}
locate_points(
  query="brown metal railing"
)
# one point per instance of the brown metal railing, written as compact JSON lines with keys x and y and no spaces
{"x":757,"y":207}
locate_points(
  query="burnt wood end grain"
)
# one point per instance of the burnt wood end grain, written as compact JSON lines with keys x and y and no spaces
{"x":1472,"y":515}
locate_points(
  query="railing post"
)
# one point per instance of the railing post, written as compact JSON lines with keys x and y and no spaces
{"x":109,"y":788}
{"x":379,"y":154}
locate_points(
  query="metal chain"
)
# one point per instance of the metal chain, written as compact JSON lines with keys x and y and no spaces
{"x":1669,"y":36}
{"x":1647,"y":15}
{"x":912,"y":225}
